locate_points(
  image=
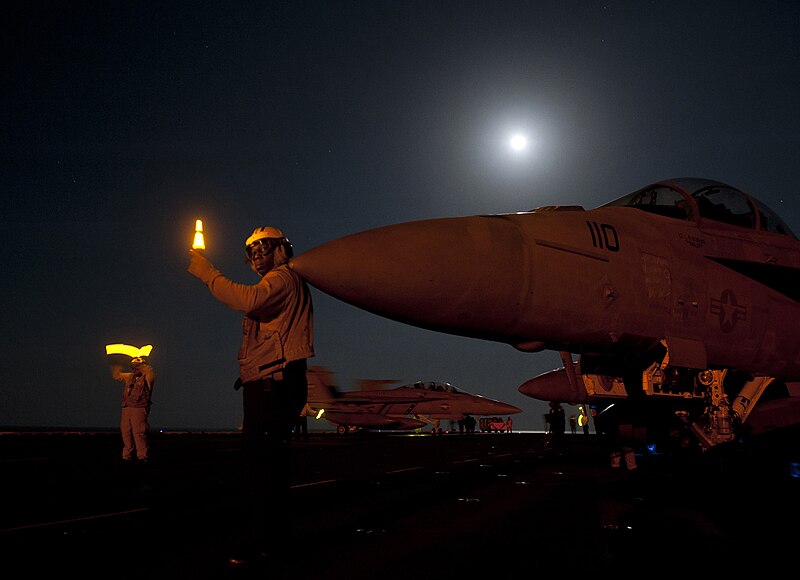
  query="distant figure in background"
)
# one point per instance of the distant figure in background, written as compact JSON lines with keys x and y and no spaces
{"x":301,"y":427}
{"x":583,"y":421}
{"x":509,"y":423}
{"x":136,"y":400}
{"x":277,"y":340}
{"x":573,"y":424}
{"x":469,"y":423}
{"x":558,"y":424}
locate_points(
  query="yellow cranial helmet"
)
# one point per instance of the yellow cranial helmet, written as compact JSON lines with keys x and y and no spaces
{"x":269,"y":237}
{"x":264,"y":233}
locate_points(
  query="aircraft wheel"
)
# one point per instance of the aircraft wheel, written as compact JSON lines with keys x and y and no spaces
{"x":341,"y":429}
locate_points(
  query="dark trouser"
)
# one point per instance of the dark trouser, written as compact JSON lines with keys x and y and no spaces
{"x":133,"y":426}
{"x":301,"y":428}
{"x":270,"y":409}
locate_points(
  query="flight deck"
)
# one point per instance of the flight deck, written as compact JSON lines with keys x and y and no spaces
{"x":385,"y":506}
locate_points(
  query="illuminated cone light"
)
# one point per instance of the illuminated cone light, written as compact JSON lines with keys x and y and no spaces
{"x":199,"y":242}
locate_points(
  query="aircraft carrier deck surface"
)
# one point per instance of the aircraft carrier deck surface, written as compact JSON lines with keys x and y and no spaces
{"x":385,"y":506}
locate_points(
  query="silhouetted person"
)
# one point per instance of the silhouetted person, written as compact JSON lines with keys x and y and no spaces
{"x":278,"y":337}
{"x":469,"y":424}
{"x":136,"y":400}
{"x":558,"y":424}
{"x":509,"y":424}
{"x":583,"y":421}
{"x":301,"y":427}
{"x":573,"y":424}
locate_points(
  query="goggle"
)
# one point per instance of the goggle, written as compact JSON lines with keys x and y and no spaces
{"x":261,"y":248}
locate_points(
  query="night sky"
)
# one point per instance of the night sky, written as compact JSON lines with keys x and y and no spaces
{"x":123,"y":122}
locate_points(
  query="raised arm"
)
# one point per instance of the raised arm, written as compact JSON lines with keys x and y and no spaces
{"x":117,"y":374}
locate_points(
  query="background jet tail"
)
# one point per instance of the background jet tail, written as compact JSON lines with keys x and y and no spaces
{"x":320,"y":385}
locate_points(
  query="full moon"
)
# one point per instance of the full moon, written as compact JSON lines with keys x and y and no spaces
{"x":519,"y":142}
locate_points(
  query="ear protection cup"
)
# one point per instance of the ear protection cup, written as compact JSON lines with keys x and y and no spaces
{"x":283,"y":253}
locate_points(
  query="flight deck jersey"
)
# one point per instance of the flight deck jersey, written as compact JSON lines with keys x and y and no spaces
{"x":138,"y":390}
{"x":278,"y":324}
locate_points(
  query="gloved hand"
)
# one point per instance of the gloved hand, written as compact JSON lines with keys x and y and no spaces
{"x":200,"y":266}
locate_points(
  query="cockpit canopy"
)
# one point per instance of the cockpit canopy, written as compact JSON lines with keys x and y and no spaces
{"x":435,"y":386}
{"x":693,"y":199}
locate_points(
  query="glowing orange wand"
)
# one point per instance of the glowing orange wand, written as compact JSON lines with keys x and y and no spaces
{"x":199,"y":242}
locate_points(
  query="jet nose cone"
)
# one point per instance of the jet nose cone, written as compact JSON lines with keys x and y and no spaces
{"x":506,"y":409}
{"x":553,"y":386}
{"x":498,"y":408}
{"x":459,"y":275}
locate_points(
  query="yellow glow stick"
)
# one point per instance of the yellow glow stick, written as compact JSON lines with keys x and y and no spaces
{"x":131,"y":351}
{"x":199,"y":242}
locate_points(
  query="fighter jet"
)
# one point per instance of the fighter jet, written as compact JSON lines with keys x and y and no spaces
{"x":402,"y":408}
{"x":679,"y":300}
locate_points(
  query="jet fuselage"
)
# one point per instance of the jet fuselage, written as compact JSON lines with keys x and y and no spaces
{"x":682,"y":274}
